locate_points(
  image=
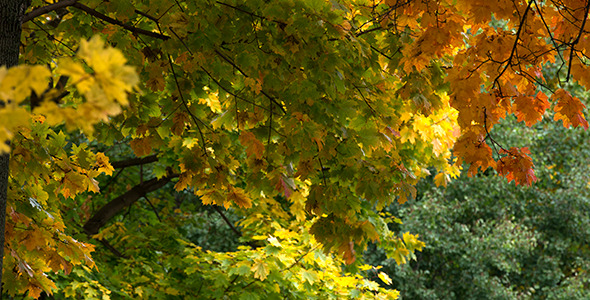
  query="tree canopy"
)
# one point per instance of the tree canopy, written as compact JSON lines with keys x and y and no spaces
{"x":301,"y":120}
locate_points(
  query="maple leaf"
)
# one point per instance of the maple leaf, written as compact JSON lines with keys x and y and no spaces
{"x":111,"y":72}
{"x":517,"y":166}
{"x":260,"y":269}
{"x":211,"y":196}
{"x":103,"y":165}
{"x":179,"y":120}
{"x":17,"y":82}
{"x":441,"y":179}
{"x":348,"y":252}
{"x":531,"y":109}
{"x":471,"y":149}
{"x":569,"y":109}
{"x":141,"y":146}
{"x":236,"y":195}
{"x":406,"y":192}
{"x":253,"y":145}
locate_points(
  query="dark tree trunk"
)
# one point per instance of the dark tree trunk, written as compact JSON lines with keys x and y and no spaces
{"x":11,"y":14}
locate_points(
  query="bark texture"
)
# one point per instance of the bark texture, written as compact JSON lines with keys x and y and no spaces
{"x":11,"y":15}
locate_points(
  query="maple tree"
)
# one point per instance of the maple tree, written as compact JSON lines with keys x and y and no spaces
{"x":305,"y":118}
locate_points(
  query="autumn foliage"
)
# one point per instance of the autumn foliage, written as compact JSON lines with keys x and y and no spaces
{"x":300,"y":116}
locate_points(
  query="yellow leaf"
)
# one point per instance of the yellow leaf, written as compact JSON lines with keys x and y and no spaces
{"x":211,"y":196}
{"x":108,"y":63}
{"x":441,"y":179}
{"x":183,"y":180}
{"x":385,"y":278}
{"x":11,"y":117}
{"x":93,"y":186}
{"x":260,"y":270}
{"x":309,"y":276}
{"x":274,"y":241}
{"x":72,"y":184}
{"x":237,"y":196}
{"x":172,"y":291}
{"x":77,"y":73}
{"x":412,"y":242}
{"x":298,"y":205}
{"x":102,"y":162}
{"x":17,"y":82}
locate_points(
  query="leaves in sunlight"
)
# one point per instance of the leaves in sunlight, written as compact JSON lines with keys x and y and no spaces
{"x":305,"y":120}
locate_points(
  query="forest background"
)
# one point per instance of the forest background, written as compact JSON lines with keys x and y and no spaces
{"x":294,"y":149}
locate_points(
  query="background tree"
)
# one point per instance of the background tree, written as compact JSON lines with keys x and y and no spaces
{"x":488,"y":238}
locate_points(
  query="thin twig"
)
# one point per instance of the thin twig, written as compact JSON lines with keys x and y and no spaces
{"x":573,"y":44}
{"x":520,"y":26}
{"x":146,"y":15}
{"x":153,"y":207}
{"x":229,"y":61}
{"x":195,"y":119}
{"x":227,"y":221}
{"x":113,"y":250}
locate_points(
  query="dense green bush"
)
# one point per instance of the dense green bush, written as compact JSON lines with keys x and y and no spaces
{"x":489,"y":239}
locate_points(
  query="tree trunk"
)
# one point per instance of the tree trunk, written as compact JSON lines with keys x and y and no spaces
{"x":11,"y":14}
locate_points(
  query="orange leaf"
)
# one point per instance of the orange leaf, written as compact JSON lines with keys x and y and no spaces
{"x":141,"y":146}
{"x":183,"y":181}
{"x":348,"y":252}
{"x":531,"y":109}
{"x":237,"y":196}
{"x":179,"y":123}
{"x":569,"y":109}
{"x":517,"y":166}
{"x":253,"y":145}
{"x":472,"y":149}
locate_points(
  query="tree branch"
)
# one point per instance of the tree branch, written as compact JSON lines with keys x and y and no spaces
{"x":109,"y":210}
{"x":232,"y":227}
{"x":108,"y":19}
{"x":65,"y":3}
{"x":113,"y":250}
{"x":47,"y":9}
{"x":577,"y":40}
{"x":134,"y":161}
{"x":227,"y":221}
{"x":520,"y":27}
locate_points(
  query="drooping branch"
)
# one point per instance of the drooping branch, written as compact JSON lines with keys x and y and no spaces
{"x":134,"y":161}
{"x":109,"y":210}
